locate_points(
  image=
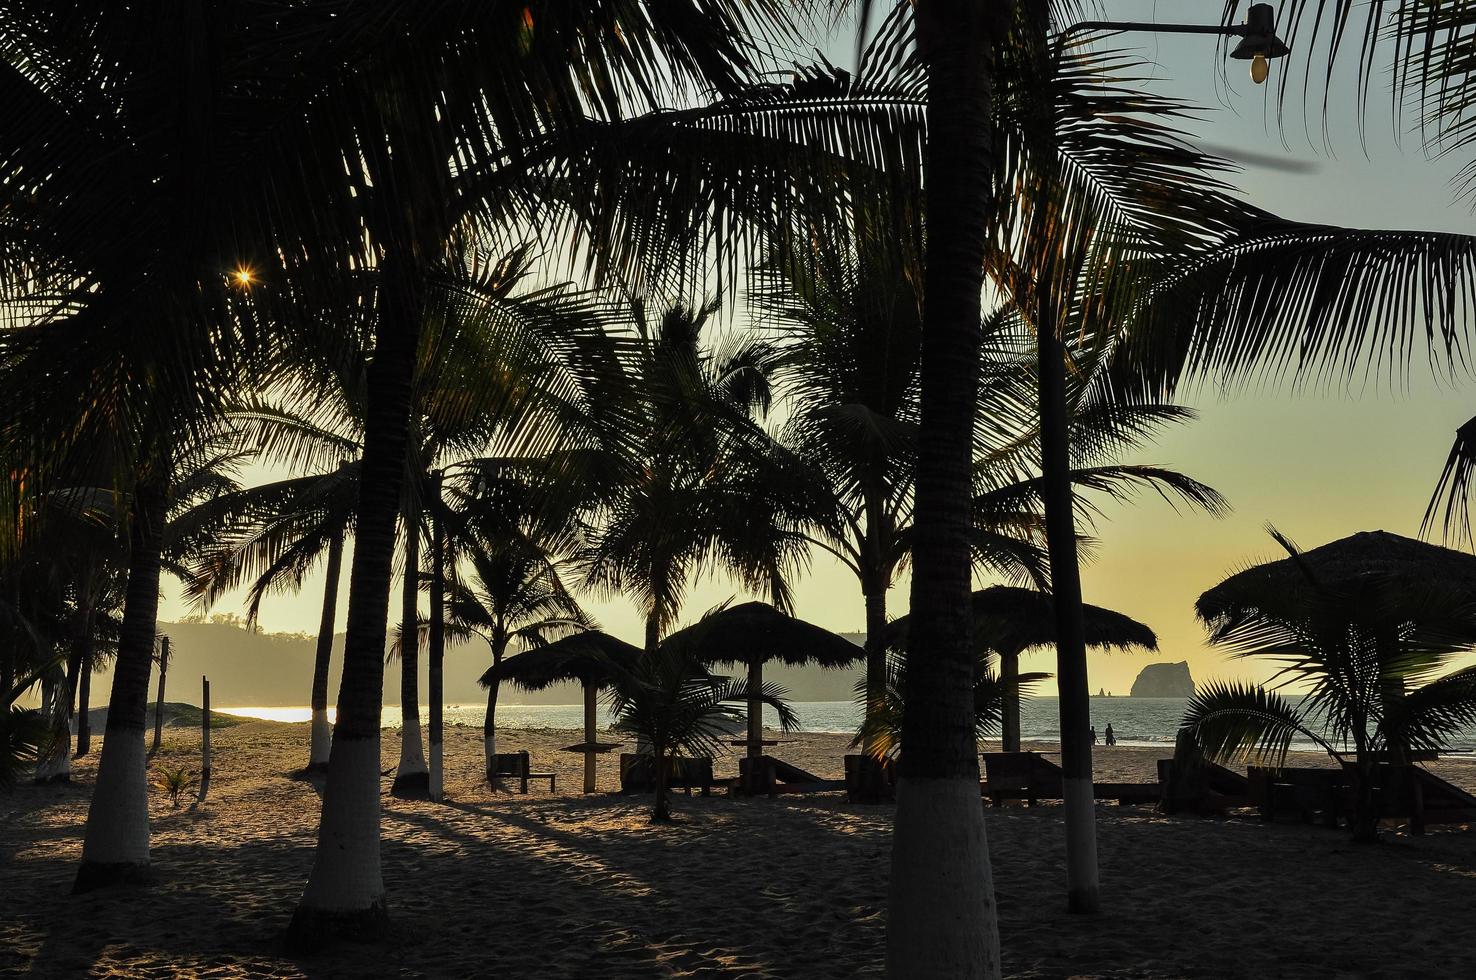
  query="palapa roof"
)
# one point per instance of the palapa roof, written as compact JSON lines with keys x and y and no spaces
{"x":590,"y":657}
{"x":1362,"y":560}
{"x":756,"y":630}
{"x":1010,"y":620}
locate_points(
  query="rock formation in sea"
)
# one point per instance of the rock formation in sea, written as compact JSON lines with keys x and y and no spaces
{"x":1164,"y":680}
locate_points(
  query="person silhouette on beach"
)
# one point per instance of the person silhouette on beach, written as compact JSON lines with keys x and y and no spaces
{"x":1111,"y":738}
{"x":1093,"y":733}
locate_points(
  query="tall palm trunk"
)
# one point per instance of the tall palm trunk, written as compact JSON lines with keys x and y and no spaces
{"x":84,"y":697}
{"x":489,"y":723}
{"x":498,"y":643}
{"x":322,"y":736}
{"x":874,"y":585}
{"x":661,"y":809}
{"x":115,"y":847}
{"x":345,"y":890}
{"x":1071,"y":669}
{"x":437,"y":640}
{"x":412,"y":777}
{"x":82,"y":682}
{"x":941,"y":918}
{"x":159,"y":701}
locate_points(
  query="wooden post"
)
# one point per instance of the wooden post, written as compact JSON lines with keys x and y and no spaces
{"x":755,"y":709}
{"x":1009,"y":667}
{"x":204,"y":738}
{"x":159,"y":703}
{"x":589,"y":737}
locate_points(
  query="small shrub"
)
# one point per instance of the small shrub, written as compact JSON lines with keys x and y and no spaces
{"x":175,"y":782}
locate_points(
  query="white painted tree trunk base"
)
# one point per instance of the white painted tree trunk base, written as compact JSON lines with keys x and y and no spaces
{"x":322,"y":741}
{"x":116,"y":846}
{"x":1083,"y":892}
{"x":941,"y":917}
{"x":344,"y":897}
{"x":412,"y":775}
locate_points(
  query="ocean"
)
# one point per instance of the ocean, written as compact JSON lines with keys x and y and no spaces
{"x":1135,"y":721}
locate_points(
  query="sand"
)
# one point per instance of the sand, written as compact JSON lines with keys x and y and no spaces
{"x":562,"y":885}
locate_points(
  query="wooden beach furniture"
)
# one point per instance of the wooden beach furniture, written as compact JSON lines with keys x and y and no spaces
{"x":870,"y":780}
{"x":1202,"y":787}
{"x":1027,"y":776}
{"x":1306,"y":794}
{"x":683,"y":772}
{"x":1031,"y":777}
{"x":515,"y":765}
{"x":769,"y":776}
{"x":1421,"y":796}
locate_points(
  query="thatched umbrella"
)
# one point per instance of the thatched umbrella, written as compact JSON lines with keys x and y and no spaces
{"x":1010,"y":620}
{"x":592,"y":658}
{"x":1368,"y":558}
{"x":754,"y":633}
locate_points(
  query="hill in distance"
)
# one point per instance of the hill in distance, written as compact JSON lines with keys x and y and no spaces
{"x":254,"y":669}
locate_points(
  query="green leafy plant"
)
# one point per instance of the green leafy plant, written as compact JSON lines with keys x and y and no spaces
{"x":670,"y":700}
{"x":175,"y":782}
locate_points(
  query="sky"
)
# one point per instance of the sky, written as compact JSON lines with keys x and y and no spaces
{"x":1318,"y":465}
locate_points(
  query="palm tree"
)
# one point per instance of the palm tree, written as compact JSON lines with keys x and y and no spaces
{"x":139,"y":144}
{"x":511,"y":596}
{"x":881,"y":731}
{"x":690,"y":480}
{"x":674,"y":706}
{"x":541,"y":346}
{"x":1367,"y":629}
{"x":849,"y":319}
{"x":1007,"y":622}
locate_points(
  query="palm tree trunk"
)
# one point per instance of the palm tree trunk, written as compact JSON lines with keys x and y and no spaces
{"x":115,"y":847}
{"x":589,"y":737}
{"x":345,"y":890}
{"x":941,"y":918}
{"x":653,"y":632}
{"x":437,"y":639}
{"x":412,"y":777}
{"x":1071,"y":669}
{"x":489,"y":724}
{"x":876,"y":653}
{"x":322,"y":735}
{"x":159,"y":701}
{"x":1009,"y":675}
{"x":661,"y":810}
{"x":84,"y":697}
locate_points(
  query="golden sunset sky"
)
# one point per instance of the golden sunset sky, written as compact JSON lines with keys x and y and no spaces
{"x":1319,"y":465}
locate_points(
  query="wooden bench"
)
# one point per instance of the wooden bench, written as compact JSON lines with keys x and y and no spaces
{"x":687,"y":773}
{"x":515,"y":765}
{"x":766,"y":775}
{"x":870,"y":780}
{"x":1200,"y":787}
{"x":1309,"y":794}
{"x":1027,"y":776}
{"x":1031,"y":777}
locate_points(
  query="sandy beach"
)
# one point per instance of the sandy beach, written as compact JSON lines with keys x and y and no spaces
{"x":563,"y":885}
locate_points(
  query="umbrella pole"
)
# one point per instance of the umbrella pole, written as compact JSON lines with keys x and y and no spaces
{"x":589,"y":737}
{"x":1010,"y":724}
{"x":755,"y":709}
